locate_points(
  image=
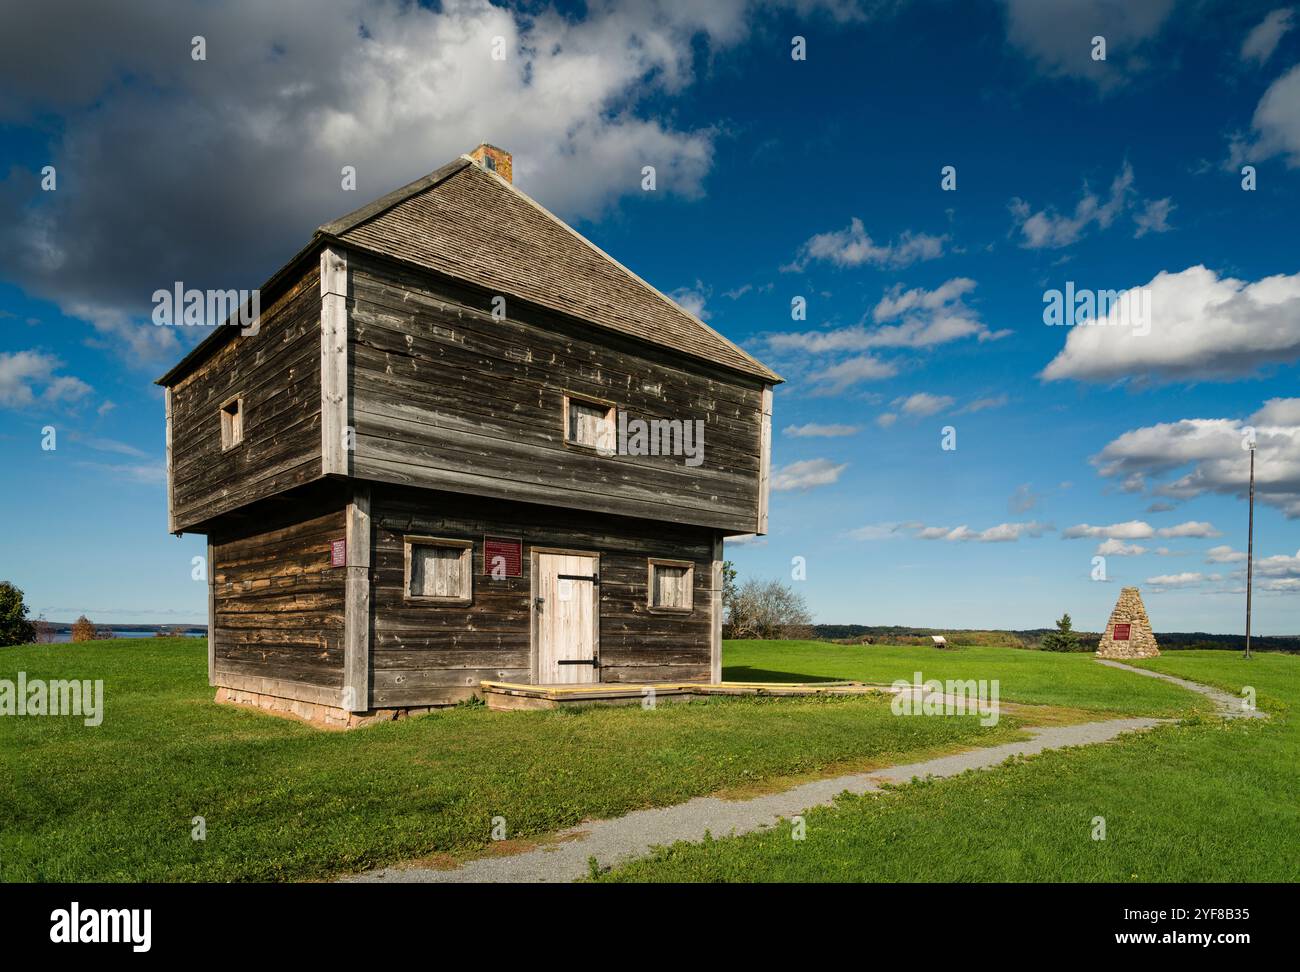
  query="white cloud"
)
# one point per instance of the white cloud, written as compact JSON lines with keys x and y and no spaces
{"x":112,"y":445}
{"x":1276,"y":123}
{"x":28,"y":378}
{"x":693,"y":299}
{"x":294,"y":90}
{"x":922,"y":404}
{"x":149,"y":474}
{"x":1129,"y":530}
{"x":877,"y":531}
{"x":1140,"y":530}
{"x":1192,"y":528}
{"x":1153,"y":217}
{"x":1279,"y":574}
{"x":926,"y":318}
{"x":1176,"y":580}
{"x":1279,"y":566}
{"x":65,"y":388}
{"x":1224,"y":554}
{"x":1262,"y":41}
{"x":899,"y":302}
{"x":1118,"y":548}
{"x":1278,"y":412}
{"x":1133,"y":483}
{"x":1057,"y":36}
{"x":1210,"y":450}
{"x":814,"y":430}
{"x":806,"y":474}
{"x":1048,"y":229}
{"x":837,"y":377}
{"x":124,"y":334}
{"x":886,"y":419}
{"x":1002,"y":533}
{"x":1202,"y":326}
{"x":18,"y":372}
{"x":853,"y":247}
{"x":983,"y":404}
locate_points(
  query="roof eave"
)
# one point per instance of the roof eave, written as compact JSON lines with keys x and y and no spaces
{"x":221,"y":333}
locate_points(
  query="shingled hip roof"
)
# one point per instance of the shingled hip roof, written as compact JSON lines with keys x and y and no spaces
{"x":471,"y":224}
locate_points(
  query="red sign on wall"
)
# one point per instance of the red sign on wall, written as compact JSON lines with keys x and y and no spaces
{"x":338,"y":553}
{"x":503,"y":557}
{"x":1121,"y":632}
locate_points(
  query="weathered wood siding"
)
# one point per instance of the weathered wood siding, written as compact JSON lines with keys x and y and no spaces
{"x":445,"y":396}
{"x":425,"y":654}
{"x":277,"y":373}
{"x":278,"y":604}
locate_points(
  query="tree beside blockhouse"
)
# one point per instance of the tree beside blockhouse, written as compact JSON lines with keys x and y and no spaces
{"x":452,"y":451}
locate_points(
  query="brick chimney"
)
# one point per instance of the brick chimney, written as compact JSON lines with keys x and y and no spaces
{"x":494,"y":160}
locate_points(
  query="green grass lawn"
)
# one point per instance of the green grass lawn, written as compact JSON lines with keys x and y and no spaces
{"x":1037,"y":677}
{"x":1204,"y":800}
{"x":285,"y":801}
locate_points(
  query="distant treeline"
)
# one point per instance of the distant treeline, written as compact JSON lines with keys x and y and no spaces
{"x":62,"y":626}
{"x":1171,"y":640}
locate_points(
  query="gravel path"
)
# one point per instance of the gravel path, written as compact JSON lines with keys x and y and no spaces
{"x":1228,"y":705}
{"x":637,"y":834}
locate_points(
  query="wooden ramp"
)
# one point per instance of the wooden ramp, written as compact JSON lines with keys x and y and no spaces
{"x":515,"y":695}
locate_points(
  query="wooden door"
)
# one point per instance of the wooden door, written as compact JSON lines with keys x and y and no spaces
{"x":566,"y":618}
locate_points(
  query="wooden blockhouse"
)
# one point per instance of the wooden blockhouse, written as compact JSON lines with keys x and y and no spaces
{"x":422,"y":468}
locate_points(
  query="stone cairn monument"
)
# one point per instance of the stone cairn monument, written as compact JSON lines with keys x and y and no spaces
{"x":1128,"y":632}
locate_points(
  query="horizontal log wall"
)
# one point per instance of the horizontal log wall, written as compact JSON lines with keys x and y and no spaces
{"x":277,"y":373}
{"x":425,"y":654}
{"x":278,"y":603}
{"x":446,"y":396}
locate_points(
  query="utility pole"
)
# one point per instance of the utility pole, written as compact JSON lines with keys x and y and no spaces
{"x":1250,"y":545}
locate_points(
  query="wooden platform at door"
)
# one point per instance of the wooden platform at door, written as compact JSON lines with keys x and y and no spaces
{"x":517,"y":695}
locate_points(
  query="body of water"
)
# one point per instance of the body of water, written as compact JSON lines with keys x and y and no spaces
{"x":65,"y":636}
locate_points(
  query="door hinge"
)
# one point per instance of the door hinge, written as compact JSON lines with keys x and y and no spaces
{"x":594,"y":578}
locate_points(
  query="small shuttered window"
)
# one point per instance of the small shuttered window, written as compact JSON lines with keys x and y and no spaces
{"x":671,"y":585}
{"x":589,"y":424}
{"x":438,"y":570}
{"x":232,"y":423}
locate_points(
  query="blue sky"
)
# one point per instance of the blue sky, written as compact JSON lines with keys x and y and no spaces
{"x":777,"y":178}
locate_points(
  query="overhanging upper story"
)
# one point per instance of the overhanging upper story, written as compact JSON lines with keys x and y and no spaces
{"x":455,"y":335}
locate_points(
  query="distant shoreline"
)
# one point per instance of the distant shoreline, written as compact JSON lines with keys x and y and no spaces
{"x":1030,"y":638}
{"x":66,"y":626}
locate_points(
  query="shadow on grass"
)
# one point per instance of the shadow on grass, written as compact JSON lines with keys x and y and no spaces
{"x":743,"y":673}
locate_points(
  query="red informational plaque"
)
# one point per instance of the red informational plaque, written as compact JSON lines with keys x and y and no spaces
{"x":1121,"y":632}
{"x":503,"y":557}
{"x":338,"y":553}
